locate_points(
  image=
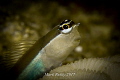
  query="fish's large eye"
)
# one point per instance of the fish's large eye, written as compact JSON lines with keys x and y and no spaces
{"x":65,"y":28}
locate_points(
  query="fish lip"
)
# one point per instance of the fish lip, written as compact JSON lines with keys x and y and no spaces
{"x":77,"y":24}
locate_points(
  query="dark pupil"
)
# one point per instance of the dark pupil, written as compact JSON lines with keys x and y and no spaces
{"x":65,"y":27}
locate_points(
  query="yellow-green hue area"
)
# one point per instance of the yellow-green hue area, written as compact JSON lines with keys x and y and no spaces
{"x":99,"y":36}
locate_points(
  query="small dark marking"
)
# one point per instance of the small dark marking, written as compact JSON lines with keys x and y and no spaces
{"x":60,"y":28}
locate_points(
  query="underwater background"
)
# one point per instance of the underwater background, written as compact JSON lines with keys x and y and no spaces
{"x":30,"y":20}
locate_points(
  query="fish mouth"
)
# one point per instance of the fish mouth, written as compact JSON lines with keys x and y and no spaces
{"x":76,"y":25}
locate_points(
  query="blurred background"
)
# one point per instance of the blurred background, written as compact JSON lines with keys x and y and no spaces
{"x":32,"y":19}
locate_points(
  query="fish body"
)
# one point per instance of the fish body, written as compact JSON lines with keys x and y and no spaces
{"x":47,"y":53}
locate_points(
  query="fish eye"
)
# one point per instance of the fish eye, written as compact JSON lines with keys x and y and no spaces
{"x":65,"y":26}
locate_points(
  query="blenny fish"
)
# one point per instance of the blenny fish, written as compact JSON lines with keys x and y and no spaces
{"x":44,"y":55}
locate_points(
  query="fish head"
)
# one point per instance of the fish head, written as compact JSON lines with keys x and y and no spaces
{"x":64,"y":43}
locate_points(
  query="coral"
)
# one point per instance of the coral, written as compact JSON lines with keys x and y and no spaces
{"x":87,"y":69}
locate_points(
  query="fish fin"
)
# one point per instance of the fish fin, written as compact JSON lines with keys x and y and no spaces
{"x":10,"y":57}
